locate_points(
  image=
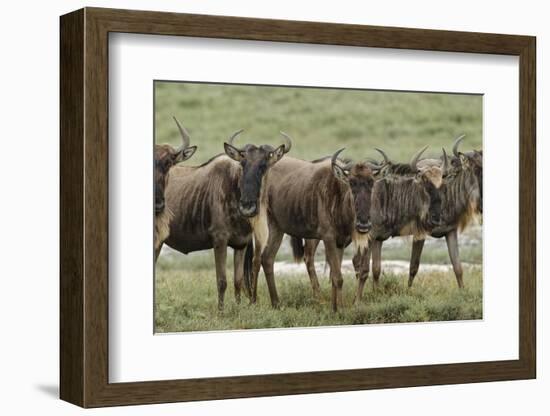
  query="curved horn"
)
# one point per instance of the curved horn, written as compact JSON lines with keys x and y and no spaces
{"x":373,"y":164}
{"x":445,"y":161}
{"x":456,"y":143}
{"x":184,"y":134}
{"x":234,"y":135}
{"x":384,"y":155}
{"x":415,"y":158}
{"x":288,"y":144}
{"x":334,"y":158}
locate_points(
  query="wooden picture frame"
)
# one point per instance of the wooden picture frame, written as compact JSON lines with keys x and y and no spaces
{"x":84,"y":207}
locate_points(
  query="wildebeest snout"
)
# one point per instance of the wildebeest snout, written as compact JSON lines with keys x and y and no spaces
{"x":363,"y":226}
{"x":248,"y":208}
{"x":159,"y":206}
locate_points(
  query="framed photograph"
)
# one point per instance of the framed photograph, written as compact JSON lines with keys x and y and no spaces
{"x":255,"y":207}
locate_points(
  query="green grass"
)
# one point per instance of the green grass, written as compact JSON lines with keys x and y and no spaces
{"x":187,"y":301}
{"x":186,"y":293}
{"x":320,"y":122}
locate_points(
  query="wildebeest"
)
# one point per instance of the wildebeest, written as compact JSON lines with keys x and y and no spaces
{"x":222,"y":203}
{"x":402,"y":206}
{"x":405,"y":200}
{"x":165,"y":157}
{"x":462,"y":202}
{"x":324,"y":200}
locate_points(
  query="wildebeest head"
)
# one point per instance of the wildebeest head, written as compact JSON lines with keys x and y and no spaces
{"x":360,"y":178}
{"x":255,"y":162}
{"x":166,"y":157}
{"x":471,"y":163}
{"x":430,"y":170}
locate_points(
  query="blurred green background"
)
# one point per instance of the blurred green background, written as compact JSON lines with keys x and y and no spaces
{"x":319,"y":120}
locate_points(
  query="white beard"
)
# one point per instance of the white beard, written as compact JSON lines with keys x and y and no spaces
{"x":360,"y":241}
{"x":260,"y":228}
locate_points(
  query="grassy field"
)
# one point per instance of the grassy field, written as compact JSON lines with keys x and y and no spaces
{"x":320,"y":122}
{"x":186,"y":300}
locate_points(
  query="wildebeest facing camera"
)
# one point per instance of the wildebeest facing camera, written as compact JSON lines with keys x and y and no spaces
{"x":275,"y":206}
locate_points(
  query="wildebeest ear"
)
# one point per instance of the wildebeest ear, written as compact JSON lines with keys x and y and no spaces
{"x":340,"y":172}
{"x":184,"y":154}
{"x":277,"y":154}
{"x":233,"y":152}
{"x":463,"y":159}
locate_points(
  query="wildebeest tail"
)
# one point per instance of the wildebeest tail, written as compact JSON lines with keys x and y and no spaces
{"x":297,"y":245}
{"x":248,"y":257}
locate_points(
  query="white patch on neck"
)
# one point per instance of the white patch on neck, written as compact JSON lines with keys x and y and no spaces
{"x":360,"y":241}
{"x":162,"y":227}
{"x":260,"y":227}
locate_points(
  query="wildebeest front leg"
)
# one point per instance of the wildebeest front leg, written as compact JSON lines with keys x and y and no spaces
{"x":309,"y":259}
{"x":334,"y":257}
{"x":452,"y":246}
{"x":376,"y":262}
{"x":361,"y":262}
{"x":256,"y":264}
{"x":238,"y":269}
{"x":220,"y":256}
{"x":268,"y":261}
{"x":416,"y":253}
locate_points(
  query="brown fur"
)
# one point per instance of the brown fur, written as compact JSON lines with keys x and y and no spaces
{"x":165,"y":157}
{"x":416,"y":220}
{"x":207,"y":200}
{"x":461,"y":200}
{"x":400,"y":206}
{"x":162,"y":227}
{"x":308,"y":201}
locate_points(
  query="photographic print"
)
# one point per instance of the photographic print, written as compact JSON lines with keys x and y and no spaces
{"x":294,"y":206}
{"x":211,"y":196}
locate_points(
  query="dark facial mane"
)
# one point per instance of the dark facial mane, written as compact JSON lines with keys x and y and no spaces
{"x":459,"y":192}
{"x":349,"y":202}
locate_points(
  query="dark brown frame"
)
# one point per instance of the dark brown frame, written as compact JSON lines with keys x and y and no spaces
{"x":84,"y":207}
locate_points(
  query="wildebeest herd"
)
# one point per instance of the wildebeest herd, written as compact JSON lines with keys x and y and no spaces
{"x":249,"y":197}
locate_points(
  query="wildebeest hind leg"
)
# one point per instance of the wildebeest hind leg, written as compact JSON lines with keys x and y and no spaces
{"x":309,"y":259}
{"x":416,"y":253}
{"x":268,"y":260}
{"x":361,"y":262}
{"x":452,"y":246}
{"x":238,"y":269}
{"x":334,"y":257}
{"x":220,"y":255}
